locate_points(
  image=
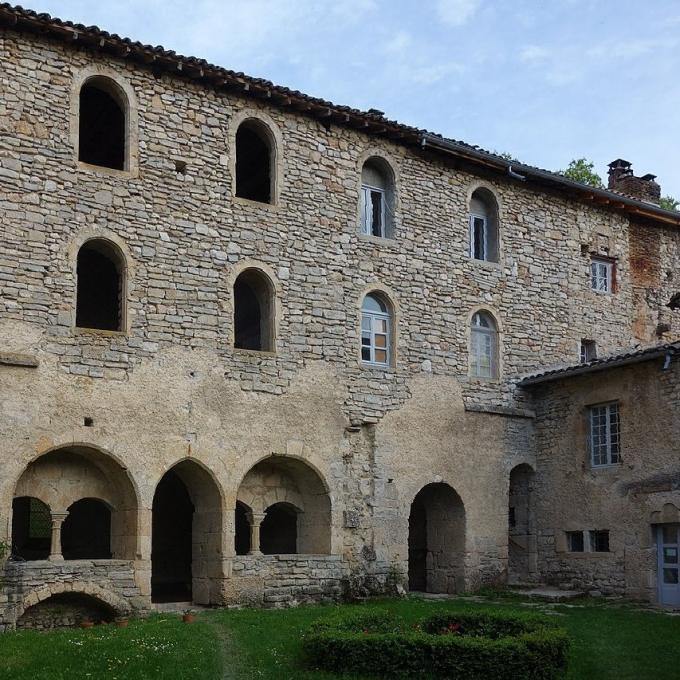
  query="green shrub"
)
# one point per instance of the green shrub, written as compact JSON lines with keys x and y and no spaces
{"x":466,"y":646}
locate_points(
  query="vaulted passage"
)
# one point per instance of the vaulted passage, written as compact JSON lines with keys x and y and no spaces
{"x":86,"y":532}
{"x":99,"y":302}
{"x":436,"y":541}
{"x":253,"y":162}
{"x":186,"y":545}
{"x":101,"y":139}
{"x":286,"y":508}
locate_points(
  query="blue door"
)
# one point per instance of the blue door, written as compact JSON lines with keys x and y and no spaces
{"x":668,"y":542}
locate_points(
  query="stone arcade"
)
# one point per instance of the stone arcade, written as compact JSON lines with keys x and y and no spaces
{"x":259,"y":348}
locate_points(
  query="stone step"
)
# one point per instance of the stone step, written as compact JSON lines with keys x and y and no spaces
{"x":547,"y":592}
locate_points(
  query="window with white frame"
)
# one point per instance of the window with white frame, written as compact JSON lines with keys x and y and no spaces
{"x":483,"y":223}
{"x":602,"y":275}
{"x":484,"y":346}
{"x":595,"y":540}
{"x":605,"y":438}
{"x":376,"y":329}
{"x":376,"y":199}
{"x":588,"y":351}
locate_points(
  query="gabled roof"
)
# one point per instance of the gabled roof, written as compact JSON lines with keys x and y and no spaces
{"x":634,"y":356}
{"x":372,"y":122}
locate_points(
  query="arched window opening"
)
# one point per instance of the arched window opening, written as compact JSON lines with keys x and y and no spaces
{"x":436,"y":540}
{"x":278,"y":532}
{"x":290,"y":509}
{"x":102,"y":123}
{"x":99,"y":297}
{"x":31,"y":529}
{"x":253,"y":312}
{"x":86,"y":531}
{"x":377,"y":199}
{"x":484,"y":226}
{"x":484,"y":346}
{"x":242,"y":529}
{"x":253,"y":162}
{"x":376,"y":330}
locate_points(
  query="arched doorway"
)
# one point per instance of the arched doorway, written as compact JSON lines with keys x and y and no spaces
{"x":85,"y":496}
{"x":521,"y":537}
{"x":436,"y":541}
{"x":289,"y":509}
{"x":186,"y":543}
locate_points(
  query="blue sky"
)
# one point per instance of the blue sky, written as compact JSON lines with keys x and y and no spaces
{"x":545,"y":80}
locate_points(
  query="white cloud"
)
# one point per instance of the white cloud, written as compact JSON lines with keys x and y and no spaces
{"x":532,"y":54}
{"x":457,"y":12}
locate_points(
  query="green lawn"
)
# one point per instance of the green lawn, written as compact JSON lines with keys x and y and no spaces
{"x":609,"y":641}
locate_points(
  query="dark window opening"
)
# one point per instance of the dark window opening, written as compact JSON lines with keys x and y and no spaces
{"x":278,"y":531}
{"x":575,"y":541}
{"x":101,"y":138}
{"x":99,"y":301}
{"x":512,"y":519}
{"x":242,"y":534}
{"x":86,"y":532}
{"x":171,"y":542}
{"x":253,"y":312}
{"x":253,"y":164}
{"x":417,"y":546}
{"x":31,"y":529}
{"x":599,"y":541}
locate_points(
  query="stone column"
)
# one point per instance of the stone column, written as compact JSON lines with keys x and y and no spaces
{"x":255,"y":519}
{"x":55,"y":545}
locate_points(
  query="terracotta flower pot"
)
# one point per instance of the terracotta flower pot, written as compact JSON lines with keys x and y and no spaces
{"x":87,"y":624}
{"x":122,"y":623}
{"x":188,"y":618}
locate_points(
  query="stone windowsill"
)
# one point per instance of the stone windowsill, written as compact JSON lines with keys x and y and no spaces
{"x":15,"y":359}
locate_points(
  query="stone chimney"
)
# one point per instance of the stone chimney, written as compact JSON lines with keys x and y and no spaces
{"x":622,"y":180}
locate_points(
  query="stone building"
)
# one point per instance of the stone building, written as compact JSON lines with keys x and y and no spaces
{"x":259,"y":348}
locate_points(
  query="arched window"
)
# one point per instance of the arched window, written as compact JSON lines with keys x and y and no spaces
{"x":484,"y":226}
{"x":254,"y":311}
{"x":376,"y":330}
{"x":484,"y":346}
{"x":254,"y":162}
{"x":278,"y":531}
{"x":102,"y":124}
{"x":100,"y":300}
{"x":31,"y":528}
{"x":377,"y":199}
{"x":86,"y":531}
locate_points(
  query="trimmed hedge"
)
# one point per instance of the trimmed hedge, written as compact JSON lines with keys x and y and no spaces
{"x":467,"y":646}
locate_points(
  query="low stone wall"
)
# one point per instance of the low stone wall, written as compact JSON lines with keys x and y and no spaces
{"x":26,"y":584}
{"x":284,"y":580}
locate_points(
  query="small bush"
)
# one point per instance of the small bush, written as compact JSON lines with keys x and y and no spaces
{"x":465,"y":646}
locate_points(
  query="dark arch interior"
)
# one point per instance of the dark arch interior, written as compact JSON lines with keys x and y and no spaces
{"x":253,"y":164}
{"x":253,"y":312}
{"x":278,"y":531}
{"x":171,"y":542}
{"x":86,"y":532}
{"x":436,"y":540}
{"x":100,"y":287}
{"x":31,"y":529}
{"x":242,"y":533}
{"x":101,"y":139}
{"x":65,"y":610}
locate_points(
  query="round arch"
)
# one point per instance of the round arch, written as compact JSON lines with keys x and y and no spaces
{"x":92,"y":473}
{"x":436,"y":540}
{"x":187,"y":535}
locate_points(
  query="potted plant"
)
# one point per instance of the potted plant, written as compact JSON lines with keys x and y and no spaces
{"x":188,"y":616}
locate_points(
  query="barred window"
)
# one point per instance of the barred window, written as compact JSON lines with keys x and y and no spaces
{"x":605,"y":439}
{"x":484,"y":346}
{"x":376,"y":330}
{"x":575,"y":541}
{"x":601,"y":276}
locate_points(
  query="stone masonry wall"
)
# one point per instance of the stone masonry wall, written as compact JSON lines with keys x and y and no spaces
{"x":627,"y":499}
